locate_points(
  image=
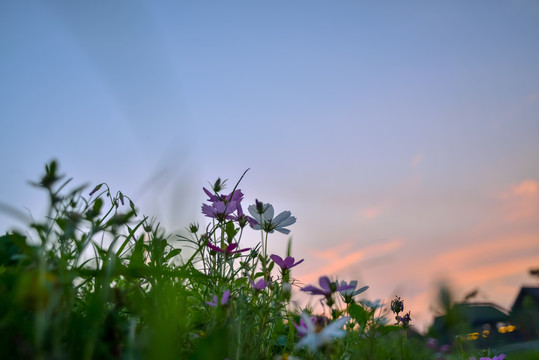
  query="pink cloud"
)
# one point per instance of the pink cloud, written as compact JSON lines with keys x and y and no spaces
{"x":332,"y":253}
{"x":371,"y":213}
{"x":526,"y":188}
{"x":339,"y":261}
{"x":521,"y":202}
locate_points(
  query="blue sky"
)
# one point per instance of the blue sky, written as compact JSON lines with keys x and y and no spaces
{"x":406,"y":133}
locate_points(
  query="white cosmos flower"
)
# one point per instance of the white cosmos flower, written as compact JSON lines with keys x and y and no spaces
{"x":316,"y":338}
{"x":267,"y":222}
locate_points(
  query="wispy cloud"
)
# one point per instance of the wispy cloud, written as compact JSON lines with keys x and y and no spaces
{"x":372,"y":212}
{"x":520,"y":202}
{"x":338,"y":261}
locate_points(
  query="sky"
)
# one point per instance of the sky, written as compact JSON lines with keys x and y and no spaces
{"x":404,"y":136}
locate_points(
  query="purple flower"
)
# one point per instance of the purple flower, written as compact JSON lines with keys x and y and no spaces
{"x":236,"y":196}
{"x":260,"y":284}
{"x":229,"y":250}
{"x":499,"y":357}
{"x":222,"y":206}
{"x":326,"y":287}
{"x":404,"y":320}
{"x":219,"y":210}
{"x":223,"y":301}
{"x":243,"y":219}
{"x":285,"y":264}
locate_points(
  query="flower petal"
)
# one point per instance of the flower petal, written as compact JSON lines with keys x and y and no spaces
{"x":268,"y":212}
{"x":225,"y":297}
{"x":281,"y":217}
{"x":281,"y":230}
{"x":214,"y":248}
{"x":313,"y":290}
{"x":324,"y":284}
{"x":278,"y":260}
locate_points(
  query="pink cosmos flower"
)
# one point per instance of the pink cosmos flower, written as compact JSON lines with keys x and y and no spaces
{"x":229,"y":250}
{"x":285,"y":264}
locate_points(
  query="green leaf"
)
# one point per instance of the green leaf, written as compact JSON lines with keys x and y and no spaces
{"x":172,"y":253}
{"x":388,"y":328}
{"x":230,"y":231}
{"x":359,"y":314}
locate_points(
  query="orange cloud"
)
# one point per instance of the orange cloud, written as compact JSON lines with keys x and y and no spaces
{"x":467,"y":256}
{"x":371,"y":213}
{"x":496,"y":271}
{"x":340,"y":262}
{"x":333,"y":253}
{"x":526,"y":188}
{"x":519,"y":202}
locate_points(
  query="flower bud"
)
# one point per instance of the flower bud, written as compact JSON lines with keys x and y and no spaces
{"x":95,"y":189}
{"x":193,"y":227}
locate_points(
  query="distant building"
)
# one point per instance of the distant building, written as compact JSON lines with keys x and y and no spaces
{"x":525,"y":313}
{"x":474,"y":322}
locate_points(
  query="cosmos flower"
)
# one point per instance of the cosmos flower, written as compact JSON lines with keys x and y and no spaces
{"x":223,"y":301}
{"x":372,"y":304}
{"x":314,"y":336}
{"x":263,"y":214}
{"x":260,"y":284}
{"x":285,"y":264}
{"x":229,"y":250}
{"x":222,"y":206}
{"x":219,"y":210}
{"x":235,"y":196}
{"x":499,"y":357}
{"x":326,"y":287}
{"x":243,"y":219}
{"x":349,"y":293}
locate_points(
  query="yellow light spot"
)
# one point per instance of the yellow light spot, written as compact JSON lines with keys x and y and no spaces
{"x":485,"y":333}
{"x":502,"y":330}
{"x":510,"y":328}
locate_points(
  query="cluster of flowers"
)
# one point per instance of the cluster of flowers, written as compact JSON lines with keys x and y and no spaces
{"x":224,"y":208}
{"x":317,"y":331}
{"x":397,"y":307}
{"x":314,"y":331}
